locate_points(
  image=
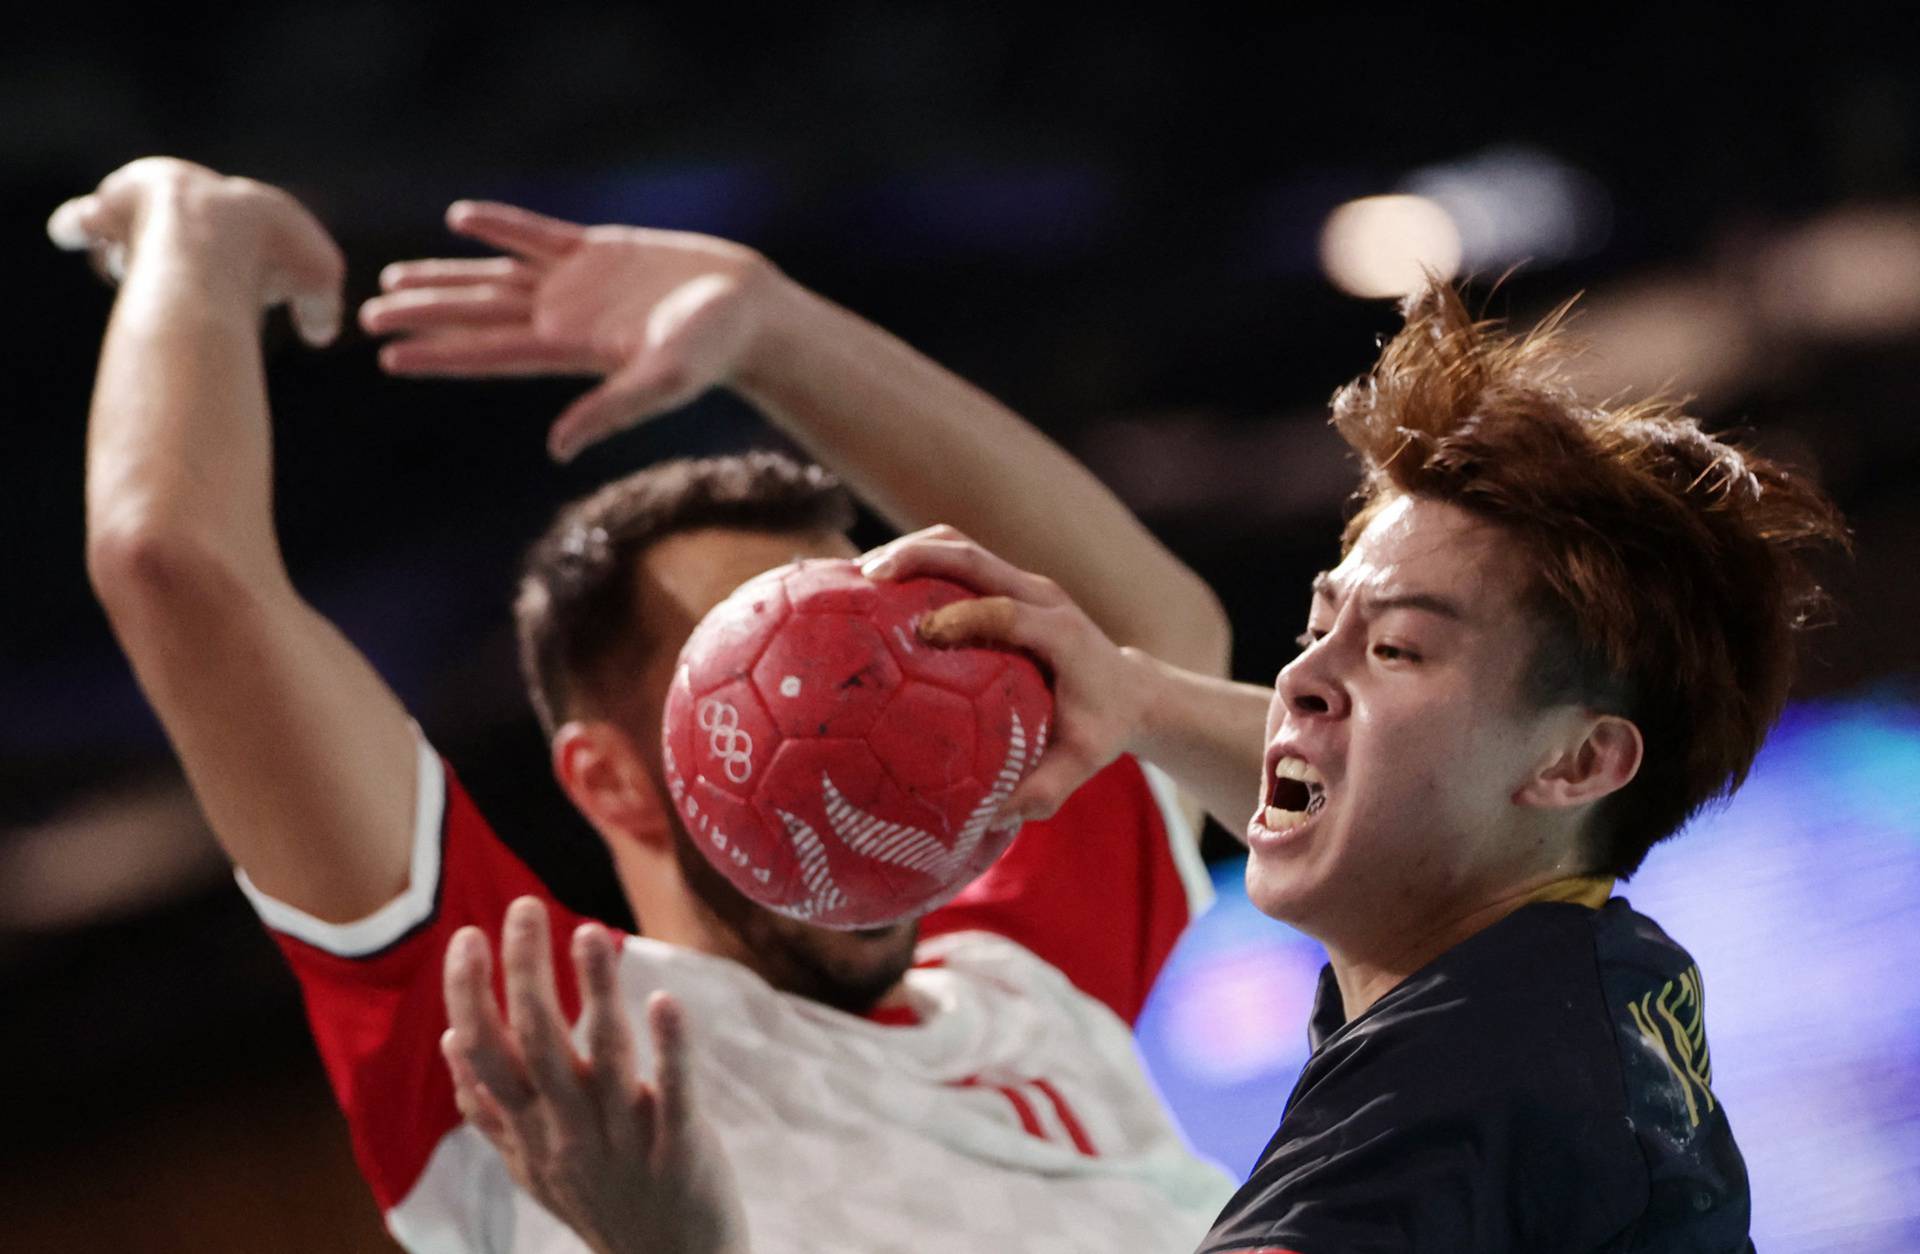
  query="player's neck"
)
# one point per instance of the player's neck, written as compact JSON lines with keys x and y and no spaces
{"x":1366,"y":973}
{"x":665,"y":910}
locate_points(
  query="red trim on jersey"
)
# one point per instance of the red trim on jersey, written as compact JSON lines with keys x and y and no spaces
{"x":1021,"y":1107}
{"x":1094,"y":891}
{"x":894,"y":1016}
{"x":377,"y":1020}
{"x":1081,"y":1141}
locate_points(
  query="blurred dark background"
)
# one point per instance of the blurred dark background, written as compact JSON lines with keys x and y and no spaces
{"x":1118,"y":224}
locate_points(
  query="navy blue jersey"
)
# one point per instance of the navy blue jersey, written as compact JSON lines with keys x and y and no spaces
{"x":1543,"y":1086}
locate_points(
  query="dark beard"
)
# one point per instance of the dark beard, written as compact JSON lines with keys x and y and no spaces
{"x":778,"y":952}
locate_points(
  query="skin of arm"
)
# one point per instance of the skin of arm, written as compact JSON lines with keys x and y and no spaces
{"x":924,"y":446}
{"x":300,"y":757}
{"x":664,"y":315}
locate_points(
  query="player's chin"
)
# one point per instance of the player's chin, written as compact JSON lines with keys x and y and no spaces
{"x":1280,"y":892}
{"x":872,"y":950}
{"x":851,"y":970}
{"x":885,"y":932}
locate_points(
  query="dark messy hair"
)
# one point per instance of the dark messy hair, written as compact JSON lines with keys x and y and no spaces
{"x":575,"y":613}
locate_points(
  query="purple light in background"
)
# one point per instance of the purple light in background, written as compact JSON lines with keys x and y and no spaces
{"x":1050,"y":213}
{"x":735,"y":199}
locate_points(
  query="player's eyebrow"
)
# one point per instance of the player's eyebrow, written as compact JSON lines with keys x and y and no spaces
{"x":1432,"y":603}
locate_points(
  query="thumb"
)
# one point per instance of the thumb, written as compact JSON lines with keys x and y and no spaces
{"x":640,"y":389}
{"x":77,"y":224}
{"x":977,"y":620}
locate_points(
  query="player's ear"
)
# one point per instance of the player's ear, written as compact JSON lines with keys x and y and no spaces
{"x":600,"y":768}
{"x":1600,"y":755}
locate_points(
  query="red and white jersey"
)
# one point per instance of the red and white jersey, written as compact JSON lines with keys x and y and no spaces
{"x":1002,"y":1108}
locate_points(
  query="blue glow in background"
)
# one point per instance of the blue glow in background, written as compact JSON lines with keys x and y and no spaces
{"x":1801,"y":901}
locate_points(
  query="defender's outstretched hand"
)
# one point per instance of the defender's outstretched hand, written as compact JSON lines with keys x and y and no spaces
{"x":273,"y":251}
{"x":664,"y":315}
{"x":626,"y":1164}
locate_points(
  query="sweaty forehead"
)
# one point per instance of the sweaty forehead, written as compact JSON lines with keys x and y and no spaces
{"x":1416,"y":544}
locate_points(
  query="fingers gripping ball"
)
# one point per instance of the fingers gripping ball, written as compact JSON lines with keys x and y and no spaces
{"x":834,"y":766}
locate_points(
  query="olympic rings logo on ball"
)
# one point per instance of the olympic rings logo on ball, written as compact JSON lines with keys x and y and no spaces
{"x":734,"y":747}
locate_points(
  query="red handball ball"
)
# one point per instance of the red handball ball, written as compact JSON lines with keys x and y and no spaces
{"x":834,"y":766}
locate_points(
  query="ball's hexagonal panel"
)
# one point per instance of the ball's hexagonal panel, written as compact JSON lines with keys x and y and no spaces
{"x":731,"y":638}
{"x":1013,"y":716}
{"x":965,"y":670}
{"x":925,"y":737}
{"x":825,"y":675}
{"x":830,"y":585}
{"x":729,"y":738}
{"x":866,"y":853}
{"x":979,"y":841}
{"x":738,"y":843}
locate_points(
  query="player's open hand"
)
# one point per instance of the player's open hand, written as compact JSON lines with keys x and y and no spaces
{"x":664,"y":315}
{"x":255,"y":243}
{"x":1099,"y":699}
{"x":626,"y":1164}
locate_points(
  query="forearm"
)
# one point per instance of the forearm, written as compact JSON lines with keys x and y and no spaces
{"x":178,"y":446}
{"x":1206,"y":732}
{"x":301,"y":759}
{"x":924,"y":446}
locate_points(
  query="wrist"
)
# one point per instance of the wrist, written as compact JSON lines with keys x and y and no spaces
{"x":196,"y":254}
{"x":1150,"y":681}
{"x":787,"y":334}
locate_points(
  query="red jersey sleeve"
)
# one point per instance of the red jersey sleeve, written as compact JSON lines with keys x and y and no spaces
{"x":1102,"y":890}
{"x":373,"y":987}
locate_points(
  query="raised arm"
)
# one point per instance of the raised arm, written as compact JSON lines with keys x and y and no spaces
{"x":666,"y":315}
{"x":301,"y":758}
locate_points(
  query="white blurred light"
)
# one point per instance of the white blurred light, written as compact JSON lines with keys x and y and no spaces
{"x":113,"y":854}
{"x":1677,"y":333}
{"x":1853,"y":273}
{"x":1388,"y":245}
{"x":1517,"y":204}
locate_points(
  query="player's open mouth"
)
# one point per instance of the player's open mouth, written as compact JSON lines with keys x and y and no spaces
{"x":1295,"y":793}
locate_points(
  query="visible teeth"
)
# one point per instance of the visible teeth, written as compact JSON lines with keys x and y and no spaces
{"x":1294,"y":787}
{"x":1296,"y":768}
{"x":1278,"y":820}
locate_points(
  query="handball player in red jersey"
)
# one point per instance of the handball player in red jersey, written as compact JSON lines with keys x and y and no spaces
{"x":963,"y":1082}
